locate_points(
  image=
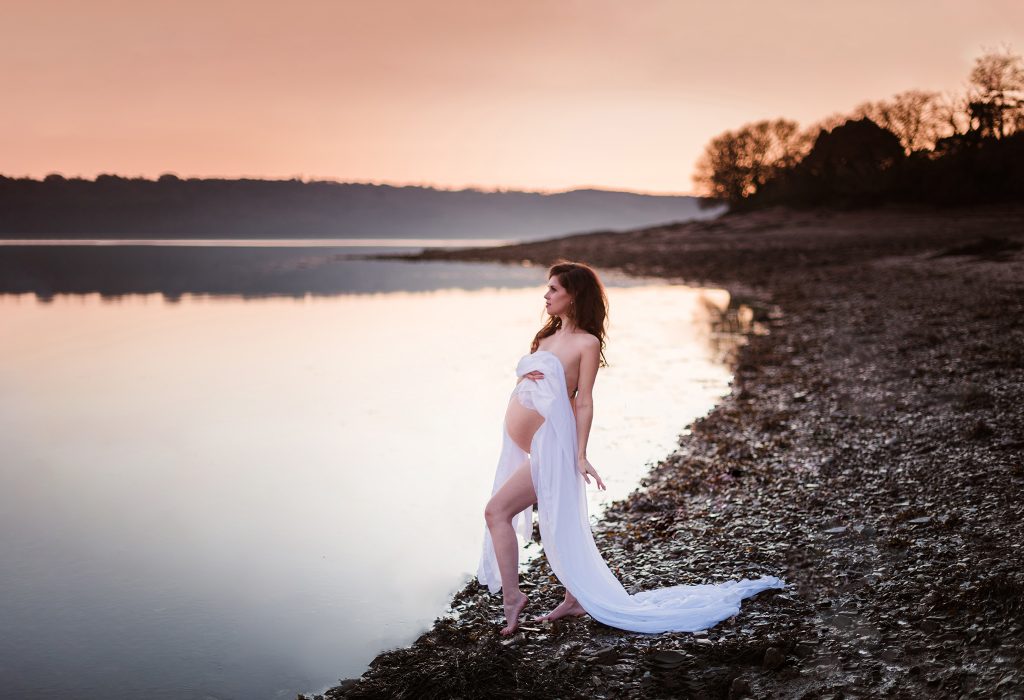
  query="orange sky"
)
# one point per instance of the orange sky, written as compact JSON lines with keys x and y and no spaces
{"x":522,"y":95}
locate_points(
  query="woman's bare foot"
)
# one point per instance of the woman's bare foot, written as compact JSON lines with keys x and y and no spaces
{"x":513,"y":609}
{"x":568,"y":607}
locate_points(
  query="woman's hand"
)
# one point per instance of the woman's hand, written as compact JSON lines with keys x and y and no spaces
{"x":535,"y":375}
{"x":587,"y":470}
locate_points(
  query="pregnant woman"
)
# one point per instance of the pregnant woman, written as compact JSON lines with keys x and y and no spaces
{"x":544,"y":461}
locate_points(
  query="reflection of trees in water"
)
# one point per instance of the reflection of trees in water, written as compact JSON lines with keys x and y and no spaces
{"x":731,"y":324}
{"x":114,"y":271}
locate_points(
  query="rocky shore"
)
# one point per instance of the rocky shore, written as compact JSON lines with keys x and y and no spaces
{"x":871,"y":453}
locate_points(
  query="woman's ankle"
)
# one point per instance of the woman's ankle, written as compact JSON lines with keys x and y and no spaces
{"x":512,"y":596}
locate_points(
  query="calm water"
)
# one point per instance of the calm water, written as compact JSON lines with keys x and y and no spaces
{"x":246,"y":483}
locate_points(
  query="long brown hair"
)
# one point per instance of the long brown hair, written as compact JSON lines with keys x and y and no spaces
{"x":589,"y":307}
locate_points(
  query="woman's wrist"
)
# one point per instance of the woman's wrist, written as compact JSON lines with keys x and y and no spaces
{"x":582,"y":456}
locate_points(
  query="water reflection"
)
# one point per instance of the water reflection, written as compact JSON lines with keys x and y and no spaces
{"x":249,"y":272}
{"x":251,"y":498}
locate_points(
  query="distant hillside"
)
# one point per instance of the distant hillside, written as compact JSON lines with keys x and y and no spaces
{"x":170,"y":207}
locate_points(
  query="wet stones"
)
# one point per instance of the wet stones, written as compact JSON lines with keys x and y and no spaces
{"x":773,"y":658}
{"x":667,"y":660}
{"x":740,"y":688}
{"x":605,"y":656}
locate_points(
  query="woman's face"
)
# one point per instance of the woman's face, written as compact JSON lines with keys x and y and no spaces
{"x":556,"y":299}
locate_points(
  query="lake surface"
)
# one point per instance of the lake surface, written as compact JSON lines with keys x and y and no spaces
{"x":234,"y":473}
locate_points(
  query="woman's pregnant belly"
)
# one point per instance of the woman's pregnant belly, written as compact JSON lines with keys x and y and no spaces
{"x":521,"y":421}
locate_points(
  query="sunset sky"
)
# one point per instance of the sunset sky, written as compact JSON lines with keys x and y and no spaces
{"x":519,"y":95}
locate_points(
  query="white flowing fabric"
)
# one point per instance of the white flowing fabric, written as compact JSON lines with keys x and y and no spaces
{"x":565,"y":525}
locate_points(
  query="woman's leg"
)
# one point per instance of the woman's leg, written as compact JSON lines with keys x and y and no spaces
{"x":514,"y":496}
{"x":521,"y":422}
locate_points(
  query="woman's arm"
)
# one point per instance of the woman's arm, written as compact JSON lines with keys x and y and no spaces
{"x":585,"y":395}
{"x":536,"y":375}
{"x":584,"y":405}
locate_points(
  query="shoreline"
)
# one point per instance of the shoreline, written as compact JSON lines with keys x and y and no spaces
{"x":869,"y":454}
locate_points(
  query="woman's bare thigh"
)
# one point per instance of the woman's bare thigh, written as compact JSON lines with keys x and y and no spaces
{"x":515,"y":494}
{"x":521,"y":423}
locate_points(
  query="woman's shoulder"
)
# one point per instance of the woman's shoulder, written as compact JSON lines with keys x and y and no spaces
{"x":586,"y":340}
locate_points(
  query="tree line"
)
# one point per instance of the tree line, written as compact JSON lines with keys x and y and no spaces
{"x":917,"y":146}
